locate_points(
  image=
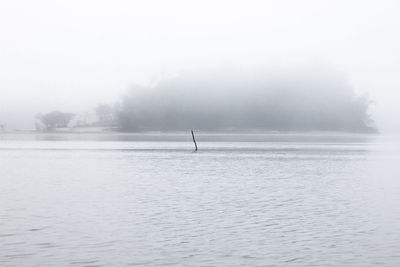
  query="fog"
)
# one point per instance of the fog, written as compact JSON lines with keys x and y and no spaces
{"x":310,"y":99}
{"x":72,"y":55}
{"x":199,"y":133}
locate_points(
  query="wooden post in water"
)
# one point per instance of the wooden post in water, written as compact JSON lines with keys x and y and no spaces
{"x":194,"y":141}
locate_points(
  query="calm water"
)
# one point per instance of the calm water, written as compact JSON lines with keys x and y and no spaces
{"x":241,"y":200}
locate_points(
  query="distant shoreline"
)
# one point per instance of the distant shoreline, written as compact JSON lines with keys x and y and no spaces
{"x":104,"y":131}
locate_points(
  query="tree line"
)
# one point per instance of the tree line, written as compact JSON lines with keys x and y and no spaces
{"x":273,"y":100}
{"x":308,"y":100}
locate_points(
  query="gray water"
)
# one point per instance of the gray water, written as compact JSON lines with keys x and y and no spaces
{"x":241,"y":200}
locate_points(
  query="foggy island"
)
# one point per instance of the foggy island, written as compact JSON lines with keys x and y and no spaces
{"x":230,"y":99}
{"x":318,"y":100}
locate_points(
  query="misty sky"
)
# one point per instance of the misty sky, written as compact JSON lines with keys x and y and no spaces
{"x":71,"y":55}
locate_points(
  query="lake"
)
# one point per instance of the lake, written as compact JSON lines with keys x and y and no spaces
{"x":241,"y":200}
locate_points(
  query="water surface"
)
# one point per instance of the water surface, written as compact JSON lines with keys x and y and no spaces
{"x":241,"y":200}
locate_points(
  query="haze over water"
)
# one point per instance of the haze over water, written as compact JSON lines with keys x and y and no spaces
{"x":72,"y":55}
{"x":98,"y":100}
{"x":241,"y":200}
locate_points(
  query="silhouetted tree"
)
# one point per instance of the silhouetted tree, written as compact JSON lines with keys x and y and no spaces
{"x":55,"y":119}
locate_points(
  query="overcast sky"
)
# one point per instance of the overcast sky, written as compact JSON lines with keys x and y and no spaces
{"x":71,"y":55}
